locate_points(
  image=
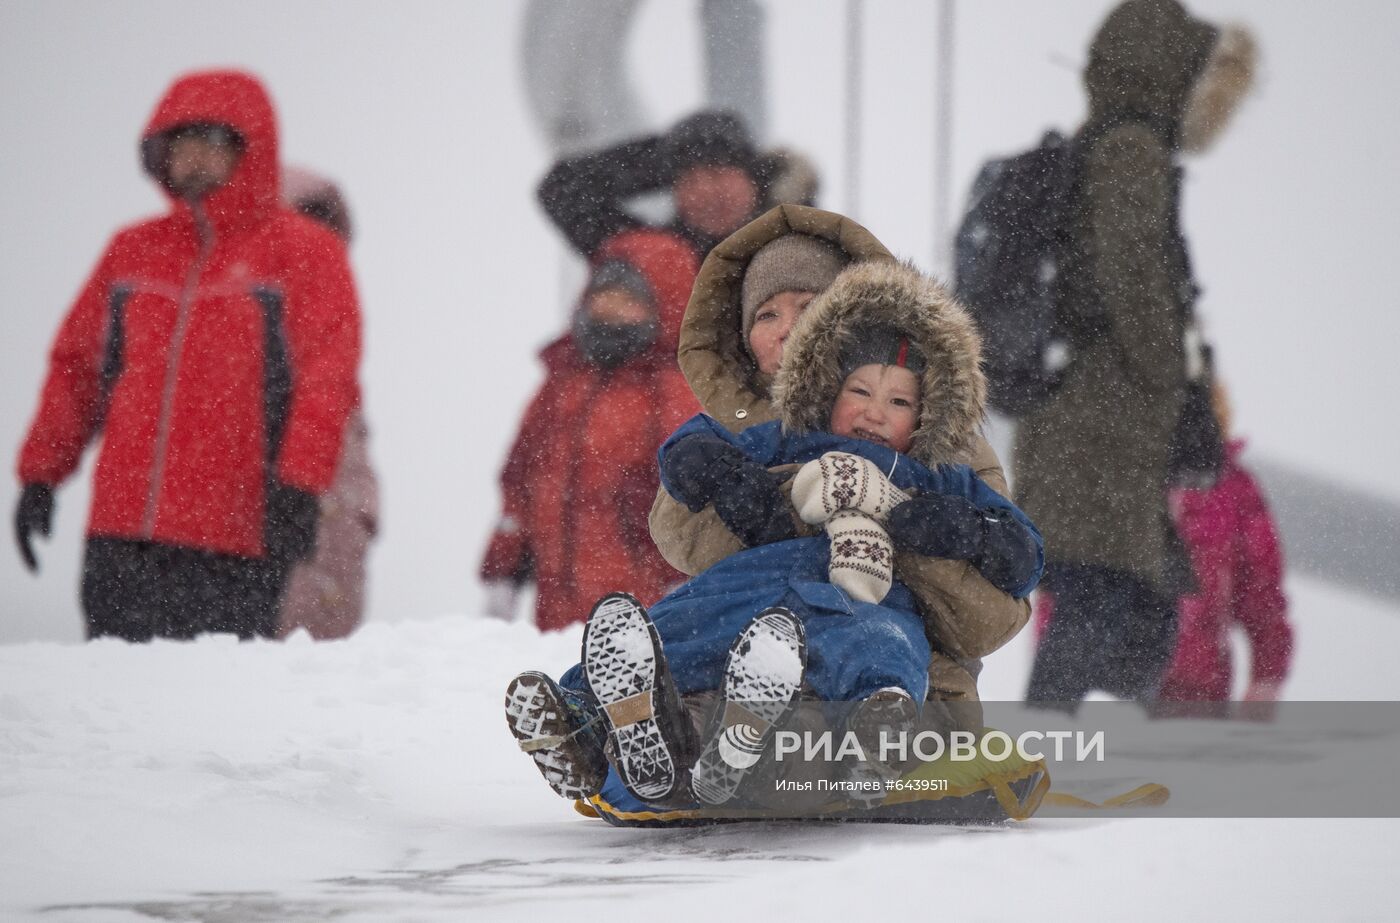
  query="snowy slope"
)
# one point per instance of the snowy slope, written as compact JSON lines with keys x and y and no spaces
{"x":374,"y":779}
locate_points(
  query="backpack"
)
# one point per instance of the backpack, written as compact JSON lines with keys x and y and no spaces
{"x":1010,"y":250}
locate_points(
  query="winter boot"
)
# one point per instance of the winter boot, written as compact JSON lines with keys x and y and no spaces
{"x":562,"y":733}
{"x":764,"y":671}
{"x":883,"y":715}
{"x":649,"y":729}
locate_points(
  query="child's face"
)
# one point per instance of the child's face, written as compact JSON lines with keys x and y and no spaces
{"x":616,"y":306}
{"x":772,"y":323}
{"x":880,"y":404}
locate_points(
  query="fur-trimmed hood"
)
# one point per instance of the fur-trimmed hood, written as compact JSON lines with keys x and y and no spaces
{"x":1144,"y":60}
{"x":953,"y":389}
{"x":712,"y":355}
{"x":1225,"y":81}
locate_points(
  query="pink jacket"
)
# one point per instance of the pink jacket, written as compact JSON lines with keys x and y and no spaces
{"x":326,"y":594}
{"x":1239,"y":574}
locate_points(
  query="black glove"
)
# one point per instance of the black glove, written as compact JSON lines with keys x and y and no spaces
{"x":290,"y":531}
{"x":703,"y":470}
{"x":33,"y":514}
{"x":939,"y":526}
{"x":755,"y":509}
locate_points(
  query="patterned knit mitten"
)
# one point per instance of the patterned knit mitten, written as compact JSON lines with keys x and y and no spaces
{"x":839,"y":481}
{"x":862,"y":556}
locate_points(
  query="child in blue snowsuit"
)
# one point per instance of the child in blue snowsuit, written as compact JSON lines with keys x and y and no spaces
{"x":854,"y":649}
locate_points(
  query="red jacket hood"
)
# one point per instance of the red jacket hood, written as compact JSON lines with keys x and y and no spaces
{"x":668,"y":264}
{"x":238,"y":100}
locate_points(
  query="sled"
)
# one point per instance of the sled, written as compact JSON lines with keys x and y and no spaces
{"x":944,"y":791}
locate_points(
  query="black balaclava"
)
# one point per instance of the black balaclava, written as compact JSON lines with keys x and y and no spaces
{"x":610,"y":345}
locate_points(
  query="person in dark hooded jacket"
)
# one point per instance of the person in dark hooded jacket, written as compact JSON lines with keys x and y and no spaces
{"x":579,"y":480}
{"x":707,"y":161}
{"x":215,"y":350}
{"x":1093,"y":464}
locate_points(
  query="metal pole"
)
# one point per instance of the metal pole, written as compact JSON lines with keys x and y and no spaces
{"x":732,"y":34}
{"x":854,"y":9}
{"x":943,"y":143}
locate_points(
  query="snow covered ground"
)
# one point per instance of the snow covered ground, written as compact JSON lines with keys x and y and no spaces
{"x":374,"y":779}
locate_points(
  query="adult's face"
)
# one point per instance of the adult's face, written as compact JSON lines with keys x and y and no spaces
{"x":772,"y":323}
{"x":198,"y":166}
{"x":716,"y":201}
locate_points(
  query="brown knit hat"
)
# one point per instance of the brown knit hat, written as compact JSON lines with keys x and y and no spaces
{"x":792,"y":263}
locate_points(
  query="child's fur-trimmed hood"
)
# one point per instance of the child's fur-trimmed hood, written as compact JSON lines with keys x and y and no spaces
{"x":953,"y":389}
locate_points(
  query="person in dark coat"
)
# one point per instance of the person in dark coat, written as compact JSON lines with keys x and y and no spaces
{"x":707,"y":162}
{"x":215,"y":350}
{"x":1092,"y":464}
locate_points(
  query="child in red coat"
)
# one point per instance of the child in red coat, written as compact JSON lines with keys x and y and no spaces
{"x":580,"y":479}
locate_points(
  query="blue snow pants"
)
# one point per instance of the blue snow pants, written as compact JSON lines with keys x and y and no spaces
{"x":853,"y":648}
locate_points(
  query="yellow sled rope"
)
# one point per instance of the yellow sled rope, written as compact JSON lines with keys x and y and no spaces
{"x":1150,"y":795}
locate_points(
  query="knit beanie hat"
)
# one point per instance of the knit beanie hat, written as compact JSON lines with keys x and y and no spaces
{"x":881,"y":345}
{"x":793,"y":263}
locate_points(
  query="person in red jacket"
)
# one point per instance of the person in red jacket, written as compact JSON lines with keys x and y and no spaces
{"x":215,"y":350}
{"x":580,"y":479}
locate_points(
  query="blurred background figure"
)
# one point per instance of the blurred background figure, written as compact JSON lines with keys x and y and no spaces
{"x":581,"y":476}
{"x":1093,"y":461}
{"x":1238,"y":565}
{"x":1237,"y":562}
{"x":325,"y":594}
{"x":707,"y":162}
{"x":790,"y":178}
{"x":215,"y":350}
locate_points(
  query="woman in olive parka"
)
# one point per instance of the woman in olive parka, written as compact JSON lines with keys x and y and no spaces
{"x":965,"y":615}
{"x":1092,"y":464}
